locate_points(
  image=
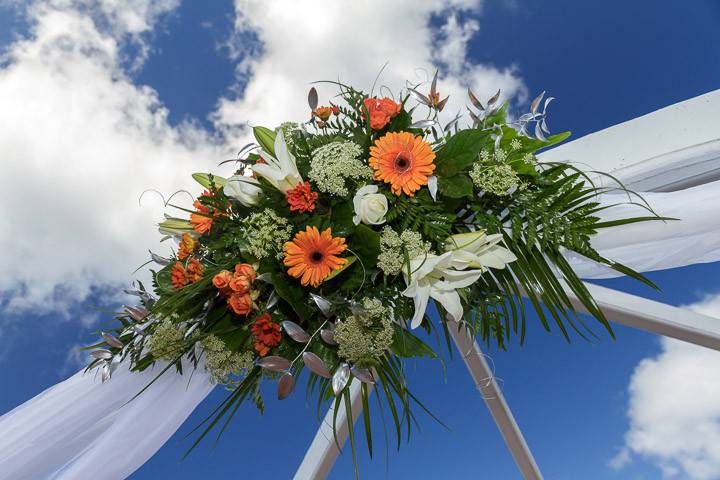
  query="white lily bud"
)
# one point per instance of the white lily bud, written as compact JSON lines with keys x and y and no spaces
{"x":243,"y":189}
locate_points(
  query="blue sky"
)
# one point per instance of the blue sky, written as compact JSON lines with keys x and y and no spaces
{"x":606,"y":62}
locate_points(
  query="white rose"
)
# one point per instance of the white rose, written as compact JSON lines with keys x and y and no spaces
{"x":370,"y":206}
{"x":243,"y":189}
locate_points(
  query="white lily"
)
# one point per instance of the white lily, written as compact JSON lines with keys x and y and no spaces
{"x":433,"y":276}
{"x":281,"y":170}
{"x":244,"y":189}
{"x":478,"y":250}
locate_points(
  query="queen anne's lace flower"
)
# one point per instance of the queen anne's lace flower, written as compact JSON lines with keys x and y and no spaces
{"x":367,"y":336}
{"x":166,"y":342}
{"x":333,"y":164}
{"x":496,"y":179}
{"x":515,"y":144}
{"x":391,"y":256}
{"x":266,"y":233}
{"x":220,"y":362}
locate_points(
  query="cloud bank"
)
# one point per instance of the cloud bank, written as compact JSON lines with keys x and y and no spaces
{"x":674,"y":408}
{"x":80,"y":141}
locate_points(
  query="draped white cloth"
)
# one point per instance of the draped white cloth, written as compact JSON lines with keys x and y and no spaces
{"x":657,"y":245}
{"x":82,"y":428}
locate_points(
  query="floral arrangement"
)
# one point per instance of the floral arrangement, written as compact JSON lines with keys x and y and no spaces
{"x":337,"y":237}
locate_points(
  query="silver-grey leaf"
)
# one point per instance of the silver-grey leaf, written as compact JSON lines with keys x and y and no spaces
{"x":137,"y":313}
{"x":419,"y":96}
{"x":323,"y":304}
{"x":272,"y":300}
{"x":285,"y":386}
{"x":427,"y":123}
{"x":328,"y":336}
{"x":544,"y":127}
{"x":494,"y":98}
{"x":160,"y":260}
{"x":539,"y":134}
{"x":340,"y":378}
{"x":498,"y":137}
{"x":265,"y":277}
{"x":102,"y":354}
{"x":547,"y":102}
{"x":106,"y":372}
{"x":451,"y":123}
{"x":313,"y":98}
{"x":295,"y":331}
{"x":442,"y":103}
{"x":191,"y":330}
{"x":112,"y":340}
{"x":474,"y":100}
{"x":362,"y":374}
{"x":536,"y":102}
{"x":315,"y":364}
{"x":274,"y":363}
{"x":525,"y":117}
{"x":475,"y":118}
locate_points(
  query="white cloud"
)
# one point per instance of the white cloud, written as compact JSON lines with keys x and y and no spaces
{"x":305,"y":41}
{"x":80,"y":141}
{"x":79,"y":144}
{"x":674,"y":409}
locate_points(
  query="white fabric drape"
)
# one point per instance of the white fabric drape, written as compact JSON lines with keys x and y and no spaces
{"x":656,"y":245}
{"x":81,"y":428}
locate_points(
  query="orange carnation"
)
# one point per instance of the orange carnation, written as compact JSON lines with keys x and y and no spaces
{"x":178,"y":276}
{"x":301,"y":198}
{"x":312,"y":255}
{"x":241,"y":304}
{"x":187,"y":246}
{"x":402,"y":160}
{"x":267,"y":334}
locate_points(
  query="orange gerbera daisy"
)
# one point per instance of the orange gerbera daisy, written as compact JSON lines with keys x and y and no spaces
{"x":301,"y":198}
{"x":402,"y":160}
{"x":312,"y":255}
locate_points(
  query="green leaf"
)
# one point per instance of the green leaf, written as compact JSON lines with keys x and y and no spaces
{"x":365,"y":243}
{"x":407,"y":345}
{"x":207,"y":180}
{"x":457,"y":186}
{"x":294,"y":295}
{"x":460,"y":151}
{"x":341,"y":220}
{"x":266,"y":138}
